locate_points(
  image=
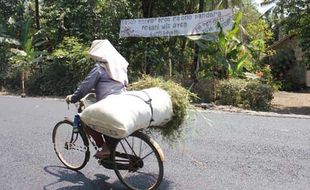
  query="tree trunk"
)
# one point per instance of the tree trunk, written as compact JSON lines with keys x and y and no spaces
{"x":169,"y":62}
{"x":23,"y":84}
{"x":147,"y":8}
{"x":37,"y":14}
{"x":226,"y":4}
{"x":212,"y":5}
{"x":195,"y":65}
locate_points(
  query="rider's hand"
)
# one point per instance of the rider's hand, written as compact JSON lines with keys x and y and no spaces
{"x":68,"y":99}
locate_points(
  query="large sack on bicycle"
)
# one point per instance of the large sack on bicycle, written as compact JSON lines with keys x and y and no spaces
{"x":120,"y":115}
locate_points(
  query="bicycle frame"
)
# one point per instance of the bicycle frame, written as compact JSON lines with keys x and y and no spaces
{"x":128,"y":155}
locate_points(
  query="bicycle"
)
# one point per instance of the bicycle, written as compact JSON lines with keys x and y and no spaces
{"x":137,"y":159}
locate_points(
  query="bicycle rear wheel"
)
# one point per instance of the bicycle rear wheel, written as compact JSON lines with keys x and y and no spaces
{"x":71,"y":147}
{"x":138,"y":162}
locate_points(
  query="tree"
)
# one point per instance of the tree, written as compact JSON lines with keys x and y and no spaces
{"x":59,"y":20}
{"x":219,"y":4}
{"x":24,"y":55}
{"x":19,"y":36}
{"x":297,"y":17}
{"x":291,"y":17}
{"x":258,"y":36}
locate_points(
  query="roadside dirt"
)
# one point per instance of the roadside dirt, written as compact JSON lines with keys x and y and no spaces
{"x":291,"y":103}
{"x":297,"y":103}
{"x":283,"y":103}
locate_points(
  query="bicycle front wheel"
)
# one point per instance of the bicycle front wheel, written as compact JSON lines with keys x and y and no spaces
{"x":71,"y":147}
{"x":138,"y":162}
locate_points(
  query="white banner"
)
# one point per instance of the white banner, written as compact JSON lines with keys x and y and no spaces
{"x":183,"y":25}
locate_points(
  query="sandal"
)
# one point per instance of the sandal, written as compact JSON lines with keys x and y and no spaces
{"x":103,"y":153}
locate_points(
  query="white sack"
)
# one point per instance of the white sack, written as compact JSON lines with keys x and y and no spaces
{"x":120,"y":115}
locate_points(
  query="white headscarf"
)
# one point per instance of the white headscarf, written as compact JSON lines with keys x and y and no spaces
{"x":115,"y":64}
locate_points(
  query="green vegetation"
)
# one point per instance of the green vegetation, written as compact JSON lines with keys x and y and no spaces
{"x":250,"y":94}
{"x":64,"y":68}
{"x":224,"y":53}
{"x":181,"y":101}
{"x":230,"y":91}
{"x":257,"y":96}
{"x":290,"y":19}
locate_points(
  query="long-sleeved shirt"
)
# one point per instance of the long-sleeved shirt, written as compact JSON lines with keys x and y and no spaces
{"x":100,"y":80}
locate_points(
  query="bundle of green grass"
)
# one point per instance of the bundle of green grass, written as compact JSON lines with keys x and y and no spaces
{"x":181,"y":100}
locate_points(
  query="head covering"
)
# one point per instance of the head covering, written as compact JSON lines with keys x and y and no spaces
{"x":114,"y":63}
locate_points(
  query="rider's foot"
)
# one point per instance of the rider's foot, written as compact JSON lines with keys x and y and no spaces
{"x":103,"y":153}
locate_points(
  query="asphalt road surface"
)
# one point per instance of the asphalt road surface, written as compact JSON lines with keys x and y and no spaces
{"x":218,"y":151}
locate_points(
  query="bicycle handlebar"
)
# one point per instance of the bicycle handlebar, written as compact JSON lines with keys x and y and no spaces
{"x":84,"y":102}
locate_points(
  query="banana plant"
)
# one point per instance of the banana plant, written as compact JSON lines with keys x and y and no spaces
{"x":22,"y":49}
{"x":224,"y":49}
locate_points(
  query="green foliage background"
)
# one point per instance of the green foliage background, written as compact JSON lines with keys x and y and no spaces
{"x":67,"y":28}
{"x":229,"y":67}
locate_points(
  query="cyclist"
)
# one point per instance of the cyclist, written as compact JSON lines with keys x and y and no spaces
{"x":108,"y":76}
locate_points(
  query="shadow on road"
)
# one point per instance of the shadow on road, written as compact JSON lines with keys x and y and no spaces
{"x":81,"y":182}
{"x":305,"y":110}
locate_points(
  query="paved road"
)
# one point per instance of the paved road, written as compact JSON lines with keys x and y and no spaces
{"x":218,"y":151}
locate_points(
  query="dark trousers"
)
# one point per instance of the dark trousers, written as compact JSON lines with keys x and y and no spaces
{"x":111,"y":142}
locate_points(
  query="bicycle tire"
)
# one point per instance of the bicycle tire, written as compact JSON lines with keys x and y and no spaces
{"x":73,"y":144}
{"x":130,"y":165}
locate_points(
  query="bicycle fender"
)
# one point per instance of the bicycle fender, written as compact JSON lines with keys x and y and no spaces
{"x":159,"y":150}
{"x":68,"y":119}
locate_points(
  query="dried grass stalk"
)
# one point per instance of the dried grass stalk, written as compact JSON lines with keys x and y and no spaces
{"x":181,"y":100}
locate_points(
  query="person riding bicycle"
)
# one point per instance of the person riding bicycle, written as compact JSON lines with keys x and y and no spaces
{"x":108,"y":76}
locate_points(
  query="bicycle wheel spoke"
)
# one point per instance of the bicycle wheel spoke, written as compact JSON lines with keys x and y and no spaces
{"x":124,"y":149}
{"x":76,"y":137}
{"x":142,"y":167}
{"x":147,"y":155}
{"x":131,"y":148}
{"x":70,"y":147}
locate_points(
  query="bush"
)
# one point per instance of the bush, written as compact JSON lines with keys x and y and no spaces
{"x":257,"y":96}
{"x":295,"y":78}
{"x":62,"y":71}
{"x":54,"y":78}
{"x":287,"y":70}
{"x":206,"y":89}
{"x":3,"y":65}
{"x":247,"y":94}
{"x":230,"y":91}
{"x":11,"y":79}
{"x":9,"y":73}
{"x":181,"y":101}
